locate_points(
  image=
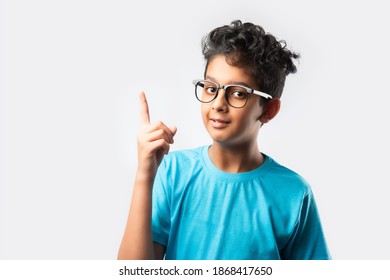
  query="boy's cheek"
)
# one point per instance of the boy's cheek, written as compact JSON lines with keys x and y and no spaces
{"x":204,"y":111}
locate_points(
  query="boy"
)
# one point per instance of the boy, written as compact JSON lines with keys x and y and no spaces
{"x":226,"y":200}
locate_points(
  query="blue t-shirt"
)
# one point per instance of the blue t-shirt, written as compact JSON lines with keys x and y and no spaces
{"x":202,"y":212}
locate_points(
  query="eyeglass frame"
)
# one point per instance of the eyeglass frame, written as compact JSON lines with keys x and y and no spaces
{"x":218,"y":86}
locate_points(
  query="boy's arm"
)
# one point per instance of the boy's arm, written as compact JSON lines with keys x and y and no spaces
{"x":308,"y":240}
{"x":153,"y":143}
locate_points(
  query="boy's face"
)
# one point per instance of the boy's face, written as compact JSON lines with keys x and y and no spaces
{"x":227,"y":125}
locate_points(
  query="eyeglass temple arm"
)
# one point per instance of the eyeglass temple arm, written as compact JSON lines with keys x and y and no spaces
{"x":262,"y":94}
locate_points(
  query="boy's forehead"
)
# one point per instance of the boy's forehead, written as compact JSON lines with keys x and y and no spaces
{"x":228,"y":82}
{"x":220,"y":71}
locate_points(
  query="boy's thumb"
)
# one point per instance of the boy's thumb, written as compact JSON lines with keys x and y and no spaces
{"x":173,"y":129}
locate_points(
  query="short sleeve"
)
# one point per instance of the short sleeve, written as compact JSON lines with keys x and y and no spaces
{"x":161,"y":206}
{"x":307,"y":241}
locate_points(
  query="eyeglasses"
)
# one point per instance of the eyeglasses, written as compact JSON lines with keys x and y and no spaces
{"x":236,"y":95}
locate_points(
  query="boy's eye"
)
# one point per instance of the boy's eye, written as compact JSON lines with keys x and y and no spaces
{"x":210,"y":89}
{"x":238,"y":93}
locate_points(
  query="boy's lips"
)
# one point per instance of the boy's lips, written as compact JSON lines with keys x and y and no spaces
{"x":219,"y":123}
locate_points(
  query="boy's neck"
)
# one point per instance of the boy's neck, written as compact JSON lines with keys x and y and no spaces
{"x":236,"y":159}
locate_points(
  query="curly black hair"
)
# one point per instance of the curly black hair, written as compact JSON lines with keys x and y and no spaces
{"x":247,"y":45}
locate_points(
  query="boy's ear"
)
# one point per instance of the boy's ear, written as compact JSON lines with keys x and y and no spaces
{"x":270,"y":111}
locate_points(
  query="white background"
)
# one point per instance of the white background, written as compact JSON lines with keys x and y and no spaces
{"x":70,"y":76}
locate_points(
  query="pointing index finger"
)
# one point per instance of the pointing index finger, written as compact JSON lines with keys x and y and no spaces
{"x":144,"y":109}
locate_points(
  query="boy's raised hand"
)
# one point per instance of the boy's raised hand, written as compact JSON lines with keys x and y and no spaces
{"x":153,"y":140}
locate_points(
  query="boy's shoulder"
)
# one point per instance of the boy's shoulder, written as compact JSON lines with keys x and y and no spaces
{"x":282,"y":175}
{"x":184,"y":157}
{"x":185,"y":154}
{"x":277,"y":167}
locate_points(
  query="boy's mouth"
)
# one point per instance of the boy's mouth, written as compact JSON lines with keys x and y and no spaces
{"x":218,"y":123}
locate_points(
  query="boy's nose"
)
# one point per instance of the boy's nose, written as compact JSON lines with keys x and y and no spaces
{"x":220,"y":103}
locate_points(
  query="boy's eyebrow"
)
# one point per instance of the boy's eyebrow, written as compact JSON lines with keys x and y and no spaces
{"x":208,"y":77}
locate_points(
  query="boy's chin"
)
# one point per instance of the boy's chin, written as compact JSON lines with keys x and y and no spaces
{"x":220,"y":139}
{"x":224,"y":139}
